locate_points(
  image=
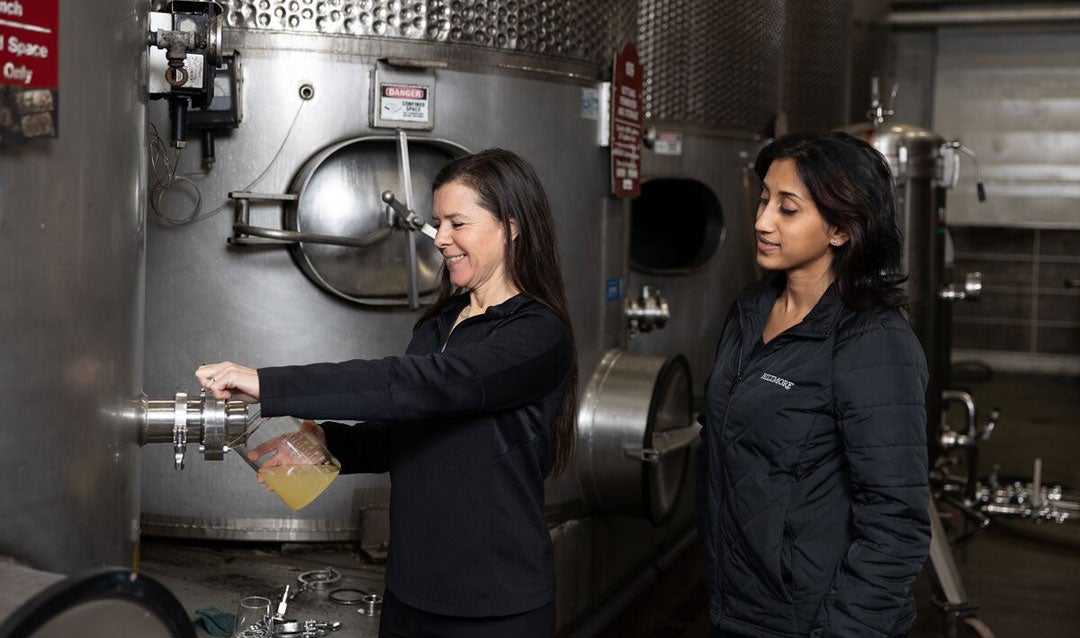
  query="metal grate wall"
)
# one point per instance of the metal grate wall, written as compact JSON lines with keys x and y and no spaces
{"x":816,"y":59}
{"x":711,"y":62}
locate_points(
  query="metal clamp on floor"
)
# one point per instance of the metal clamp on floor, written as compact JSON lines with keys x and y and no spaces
{"x":304,"y":629}
{"x":319,"y":579}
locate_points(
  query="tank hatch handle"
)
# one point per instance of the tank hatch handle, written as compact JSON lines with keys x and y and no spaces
{"x":980,"y":189}
{"x":664,"y":444}
{"x":245,"y":233}
{"x":407,"y":217}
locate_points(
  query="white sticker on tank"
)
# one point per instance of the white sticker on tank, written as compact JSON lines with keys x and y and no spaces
{"x":403,"y":103}
{"x":590,"y":103}
{"x":668,"y":144}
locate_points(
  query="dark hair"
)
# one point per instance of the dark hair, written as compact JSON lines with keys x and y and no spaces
{"x":852,"y":186}
{"x":507,"y":187}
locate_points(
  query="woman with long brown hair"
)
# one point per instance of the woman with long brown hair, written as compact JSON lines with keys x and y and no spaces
{"x":468,"y":422}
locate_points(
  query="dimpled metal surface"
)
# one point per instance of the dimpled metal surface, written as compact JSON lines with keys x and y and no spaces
{"x":711,"y":62}
{"x":816,"y":61}
{"x":585,"y":31}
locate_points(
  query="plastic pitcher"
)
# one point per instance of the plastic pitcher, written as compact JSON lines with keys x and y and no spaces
{"x":289,"y":457}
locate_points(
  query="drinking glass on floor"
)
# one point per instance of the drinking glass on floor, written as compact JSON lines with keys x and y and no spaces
{"x":253,"y":618}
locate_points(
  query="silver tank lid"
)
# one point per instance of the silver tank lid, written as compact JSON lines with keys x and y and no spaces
{"x":912,"y":151}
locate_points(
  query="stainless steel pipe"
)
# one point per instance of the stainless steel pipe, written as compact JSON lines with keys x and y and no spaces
{"x":962,"y":17}
{"x":211,"y":422}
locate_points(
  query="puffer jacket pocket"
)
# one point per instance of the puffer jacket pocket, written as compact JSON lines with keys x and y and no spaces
{"x":787,"y":563}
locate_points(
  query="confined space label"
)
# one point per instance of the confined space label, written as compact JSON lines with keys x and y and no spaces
{"x":29,"y":54}
{"x":668,"y":143}
{"x":29,"y":35}
{"x":404,"y":103}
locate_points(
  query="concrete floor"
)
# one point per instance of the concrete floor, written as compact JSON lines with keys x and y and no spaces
{"x":217,"y":575}
{"x":1025,"y":577}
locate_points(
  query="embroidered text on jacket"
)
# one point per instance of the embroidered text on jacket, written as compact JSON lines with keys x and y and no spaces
{"x":783,"y":383}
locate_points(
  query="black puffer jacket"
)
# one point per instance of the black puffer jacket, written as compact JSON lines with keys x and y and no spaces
{"x":464,"y":428}
{"x":812,"y":476}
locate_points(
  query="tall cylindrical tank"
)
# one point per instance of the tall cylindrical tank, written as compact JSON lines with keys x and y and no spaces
{"x":71,"y":300}
{"x":915,"y":157}
{"x":712,"y":89}
{"x":519,"y":75}
{"x":522,"y":75}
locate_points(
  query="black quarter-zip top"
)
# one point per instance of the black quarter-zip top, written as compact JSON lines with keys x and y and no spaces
{"x":462,"y":421}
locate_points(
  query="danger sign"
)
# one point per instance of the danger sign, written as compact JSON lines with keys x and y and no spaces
{"x":29,"y":39}
{"x":398,"y":103}
{"x":626,"y":123}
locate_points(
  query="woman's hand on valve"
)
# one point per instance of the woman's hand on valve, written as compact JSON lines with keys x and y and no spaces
{"x":228,"y":380}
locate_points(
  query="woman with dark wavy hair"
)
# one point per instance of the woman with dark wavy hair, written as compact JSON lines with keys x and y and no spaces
{"x":468,"y":422}
{"x":812,"y":476}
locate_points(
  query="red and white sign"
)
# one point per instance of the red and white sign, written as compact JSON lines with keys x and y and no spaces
{"x":404,"y":103}
{"x":626,"y":123}
{"x":29,"y":43}
{"x":667,"y":143}
{"x":405,"y":92}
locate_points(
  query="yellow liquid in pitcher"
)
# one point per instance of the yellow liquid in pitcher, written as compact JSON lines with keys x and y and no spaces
{"x":298,"y":485}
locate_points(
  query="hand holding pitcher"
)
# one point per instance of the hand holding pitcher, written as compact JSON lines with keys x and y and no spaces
{"x":290,"y":457}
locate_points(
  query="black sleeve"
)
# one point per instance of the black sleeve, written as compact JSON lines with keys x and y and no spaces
{"x":363,"y":447}
{"x":701,"y":500}
{"x":526,"y":357}
{"x":879,"y":379}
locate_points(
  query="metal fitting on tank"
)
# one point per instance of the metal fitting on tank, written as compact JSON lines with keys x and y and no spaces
{"x":970,"y":289}
{"x":178,"y":420}
{"x":648,"y":311}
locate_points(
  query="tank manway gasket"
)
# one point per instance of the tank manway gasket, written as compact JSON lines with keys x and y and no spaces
{"x":347,"y":596}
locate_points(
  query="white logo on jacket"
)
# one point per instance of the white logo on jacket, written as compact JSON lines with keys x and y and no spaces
{"x":783,"y":383}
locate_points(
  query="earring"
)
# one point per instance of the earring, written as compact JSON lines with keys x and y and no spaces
{"x":834,"y":241}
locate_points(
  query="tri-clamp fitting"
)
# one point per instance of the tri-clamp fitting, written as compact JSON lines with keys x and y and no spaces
{"x":648,"y":311}
{"x":212,"y":422}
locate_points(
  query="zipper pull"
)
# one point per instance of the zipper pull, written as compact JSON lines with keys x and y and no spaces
{"x":738,"y":377}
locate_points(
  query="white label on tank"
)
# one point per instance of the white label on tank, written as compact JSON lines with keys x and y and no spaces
{"x":403,"y":103}
{"x":590,"y":103}
{"x":668,"y":144}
